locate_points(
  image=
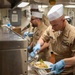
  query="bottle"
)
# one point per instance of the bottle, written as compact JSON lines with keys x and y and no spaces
{"x":52,"y":58}
{"x":8,"y":23}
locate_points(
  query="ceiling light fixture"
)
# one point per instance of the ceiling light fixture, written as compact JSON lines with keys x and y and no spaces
{"x":42,"y":6}
{"x":70,"y":6}
{"x":22,"y":4}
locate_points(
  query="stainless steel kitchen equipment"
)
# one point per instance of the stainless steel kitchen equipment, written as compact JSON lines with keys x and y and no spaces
{"x":13,"y":53}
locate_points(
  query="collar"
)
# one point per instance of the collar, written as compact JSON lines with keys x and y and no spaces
{"x":66,"y":30}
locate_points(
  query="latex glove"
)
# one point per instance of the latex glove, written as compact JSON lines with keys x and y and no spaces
{"x":28,"y":48}
{"x":30,"y":34}
{"x":58,"y":67}
{"x":32,"y":54}
{"x":26,"y":33}
{"x":36,"y":47}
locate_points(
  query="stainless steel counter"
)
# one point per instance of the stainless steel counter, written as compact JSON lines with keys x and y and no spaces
{"x":7,"y":34}
{"x":31,"y":71}
{"x":13,"y":53}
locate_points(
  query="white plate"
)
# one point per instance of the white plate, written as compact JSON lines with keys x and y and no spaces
{"x":46,"y":62}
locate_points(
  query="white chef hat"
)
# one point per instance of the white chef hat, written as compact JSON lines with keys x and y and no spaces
{"x":55,"y":12}
{"x":37,"y":14}
{"x":34,"y":6}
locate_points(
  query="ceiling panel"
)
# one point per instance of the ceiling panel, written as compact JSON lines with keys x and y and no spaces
{"x":57,"y":1}
{"x":8,"y":3}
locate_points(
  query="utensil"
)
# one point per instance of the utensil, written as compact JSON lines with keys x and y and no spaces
{"x":30,"y":59}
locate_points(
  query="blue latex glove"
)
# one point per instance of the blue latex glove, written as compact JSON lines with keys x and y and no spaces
{"x":28,"y":48}
{"x":32,"y":54}
{"x":36,"y":47}
{"x":58,"y":67}
{"x":30,"y":34}
{"x":26,"y":33}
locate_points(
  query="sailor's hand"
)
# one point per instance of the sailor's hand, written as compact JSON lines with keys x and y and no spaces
{"x":58,"y":67}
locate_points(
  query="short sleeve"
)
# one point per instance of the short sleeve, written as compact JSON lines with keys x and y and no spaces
{"x":48,"y":35}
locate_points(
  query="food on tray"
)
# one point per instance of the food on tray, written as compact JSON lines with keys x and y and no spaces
{"x":41,"y":64}
{"x":32,"y":63}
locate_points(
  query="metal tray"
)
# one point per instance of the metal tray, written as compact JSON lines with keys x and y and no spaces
{"x":40,"y":71}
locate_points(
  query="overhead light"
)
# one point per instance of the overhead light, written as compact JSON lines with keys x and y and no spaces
{"x":23,"y":4}
{"x":70,"y":6}
{"x":42,"y":6}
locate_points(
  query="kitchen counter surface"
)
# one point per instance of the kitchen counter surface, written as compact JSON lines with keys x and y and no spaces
{"x":31,"y":71}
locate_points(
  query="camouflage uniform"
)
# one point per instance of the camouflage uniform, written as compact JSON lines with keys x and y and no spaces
{"x":64,"y":46}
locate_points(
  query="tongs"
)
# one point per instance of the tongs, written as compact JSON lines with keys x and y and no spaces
{"x":35,"y":58}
